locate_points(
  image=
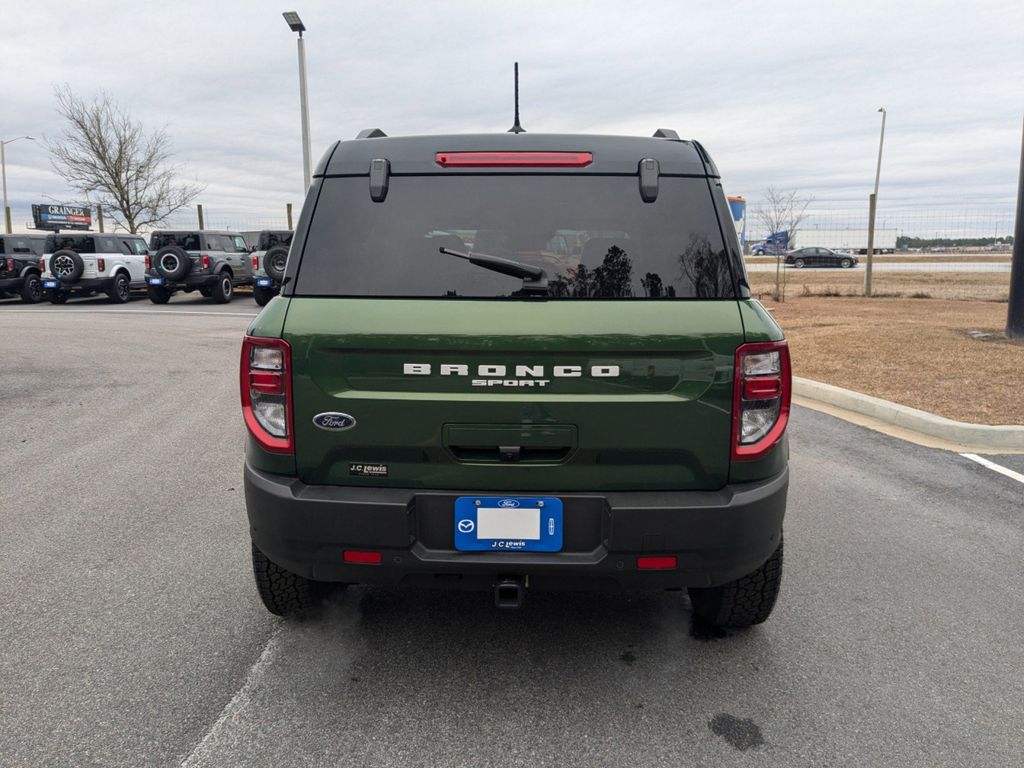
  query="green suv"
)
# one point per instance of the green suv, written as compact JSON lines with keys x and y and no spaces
{"x":517,"y":361}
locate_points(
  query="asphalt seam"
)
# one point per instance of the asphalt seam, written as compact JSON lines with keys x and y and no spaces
{"x":994,"y":467}
{"x":237,"y":703}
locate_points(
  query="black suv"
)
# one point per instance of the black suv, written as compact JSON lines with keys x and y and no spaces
{"x":213,"y":263}
{"x":19,"y":266}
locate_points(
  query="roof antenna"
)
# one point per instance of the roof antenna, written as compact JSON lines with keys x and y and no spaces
{"x":517,"y":128}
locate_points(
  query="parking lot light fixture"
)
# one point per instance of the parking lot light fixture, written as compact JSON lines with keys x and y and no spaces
{"x":296,"y":25}
{"x":3,"y":173}
{"x":872,"y":209}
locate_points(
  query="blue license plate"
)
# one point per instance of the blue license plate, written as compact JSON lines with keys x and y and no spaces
{"x":51,"y":284}
{"x":264,"y":282}
{"x":155,"y":280}
{"x":508,"y":524}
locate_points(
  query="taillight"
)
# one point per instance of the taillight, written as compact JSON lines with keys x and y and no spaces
{"x":255,"y":262}
{"x":267,"y":393}
{"x":101,"y":264}
{"x":42,"y":264}
{"x":513,"y":159}
{"x":10,"y":265}
{"x":763,"y":386}
{"x":205,"y":261}
{"x":149,"y":263}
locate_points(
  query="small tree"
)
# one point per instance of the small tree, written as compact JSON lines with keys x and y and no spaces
{"x":107,"y":156}
{"x":782,"y":211}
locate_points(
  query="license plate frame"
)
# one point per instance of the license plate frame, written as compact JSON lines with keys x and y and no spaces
{"x":264,"y":282}
{"x":155,"y":280}
{"x":508,"y":524}
{"x":49,"y":284}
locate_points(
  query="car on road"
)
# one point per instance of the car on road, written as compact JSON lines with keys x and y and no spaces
{"x":819,"y":257}
{"x":19,"y":266}
{"x":269,"y":256}
{"x":85,"y":264}
{"x":606,"y":411}
{"x":213,"y":263}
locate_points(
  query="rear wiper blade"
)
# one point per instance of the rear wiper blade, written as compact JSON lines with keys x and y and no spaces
{"x":535,"y":279}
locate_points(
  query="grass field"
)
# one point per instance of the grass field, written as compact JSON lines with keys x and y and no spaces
{"x":978,"y":286}
{"x":917,"y":352}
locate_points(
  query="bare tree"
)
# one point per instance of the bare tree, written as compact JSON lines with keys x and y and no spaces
{"x":107,"y":156}
{"x":782,"y":211}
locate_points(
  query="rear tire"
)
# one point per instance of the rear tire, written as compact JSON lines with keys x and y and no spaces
{"x":120,"y":291}
{"x":846,"y":263}
{"x":284,"y":593}
{"x":744,"y":602}
{"x":223,"y":290}
{"x":59,"y":297}
{"x":263,"y":295}
{"x":32,"y":289}
{"x":798,"y":263}
{"x":158,"y":294}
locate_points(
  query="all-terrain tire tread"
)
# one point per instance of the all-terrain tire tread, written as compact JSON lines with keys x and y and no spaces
{"x":283,"y":593}
{"x":744,"y":602}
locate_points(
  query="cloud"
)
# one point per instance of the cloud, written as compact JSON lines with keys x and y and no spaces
{"x":781,"y":93}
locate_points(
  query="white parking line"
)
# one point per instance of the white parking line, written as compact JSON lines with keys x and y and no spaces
{"x":238,"y":702}
{"x":135,"y":312}
{"x":994,"y":467}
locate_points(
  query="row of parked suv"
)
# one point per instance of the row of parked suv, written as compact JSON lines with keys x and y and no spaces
{"x":58,"y":266}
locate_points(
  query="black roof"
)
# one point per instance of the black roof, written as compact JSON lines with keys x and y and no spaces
{"x":612,"y":154}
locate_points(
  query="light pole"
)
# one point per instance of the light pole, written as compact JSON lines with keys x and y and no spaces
{"x":872,"y":207}
{"x":296,"y":25}
{"x":3,"y":172}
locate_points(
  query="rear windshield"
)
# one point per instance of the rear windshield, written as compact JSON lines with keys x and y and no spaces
{"x":23,"y":246}
{"x":593,"y":236}
{"x":269,"y":239}
{"x":187,"y":240}
{"x":76,"y":243}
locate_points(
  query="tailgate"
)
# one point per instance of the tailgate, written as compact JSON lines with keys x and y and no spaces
{"x":514,"y":395}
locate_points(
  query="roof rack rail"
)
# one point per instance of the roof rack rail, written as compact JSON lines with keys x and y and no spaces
{"x":375,"y":133}
{"x":666,"y":133}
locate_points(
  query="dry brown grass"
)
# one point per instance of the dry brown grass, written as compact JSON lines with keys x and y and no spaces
{"x":913,"y":352}
{"x":981,"y":286}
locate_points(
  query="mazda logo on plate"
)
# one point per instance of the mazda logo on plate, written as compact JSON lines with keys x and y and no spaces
{"x":508,"y":503}
{"x":334,"y":421}
{"x":466,"y":526}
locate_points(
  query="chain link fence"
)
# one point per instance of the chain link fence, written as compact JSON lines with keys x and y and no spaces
{"x":927,"y":251}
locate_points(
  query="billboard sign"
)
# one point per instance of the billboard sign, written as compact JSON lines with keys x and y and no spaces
{"x":58,"y":216}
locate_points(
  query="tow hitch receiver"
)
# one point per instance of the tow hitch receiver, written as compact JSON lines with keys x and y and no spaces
{"x":509,"y":593}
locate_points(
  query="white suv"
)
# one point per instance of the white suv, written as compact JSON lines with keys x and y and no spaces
{"x":85,"y":264}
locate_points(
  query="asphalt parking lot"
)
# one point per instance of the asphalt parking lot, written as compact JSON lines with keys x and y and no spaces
{"x":132,"y":633}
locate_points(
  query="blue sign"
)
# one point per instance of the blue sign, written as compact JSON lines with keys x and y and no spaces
{"x":508,"y":524}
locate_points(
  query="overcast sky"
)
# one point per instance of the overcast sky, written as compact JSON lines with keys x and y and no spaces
{"x":781,"y":93}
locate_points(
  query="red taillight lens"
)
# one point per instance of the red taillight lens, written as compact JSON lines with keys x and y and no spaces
{"x":255,"y":262}
{"x":10,"y":265}
{"x":42,"y":265}
{"x":149,"y":263}
{"x":267,"y":393}
{"x":513,"y":159}
{"x":666,"y":563}
{"x":361,"y":557}
{"x":763,"y":386}
{"x":205,"y":261}
{"x":101,"y":265}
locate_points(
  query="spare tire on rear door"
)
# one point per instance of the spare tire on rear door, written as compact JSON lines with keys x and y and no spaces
{"x":173,"y":262}
{"x":67,"y":266}
{"x":274,"y":261}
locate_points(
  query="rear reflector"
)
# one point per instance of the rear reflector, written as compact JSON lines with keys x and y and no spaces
{"x":513,"y":159}
{"x":363,"y":558}
{"x":666,"y":563}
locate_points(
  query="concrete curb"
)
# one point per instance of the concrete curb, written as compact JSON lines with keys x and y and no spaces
{"x":995,"y":438}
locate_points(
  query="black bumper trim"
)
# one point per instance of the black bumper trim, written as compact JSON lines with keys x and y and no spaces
{"x":717,"y":536}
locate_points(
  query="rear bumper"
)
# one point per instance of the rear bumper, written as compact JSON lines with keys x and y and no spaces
{"x":717,"y":536}
{"x":11,"y":283}
{"x":192,"y":281}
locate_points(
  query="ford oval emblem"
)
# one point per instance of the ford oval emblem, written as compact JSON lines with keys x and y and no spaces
{"x":508,"y":503}
{"x":334,"y":421}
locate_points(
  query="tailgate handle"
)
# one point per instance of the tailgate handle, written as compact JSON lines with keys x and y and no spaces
{"x":509,"y":453}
